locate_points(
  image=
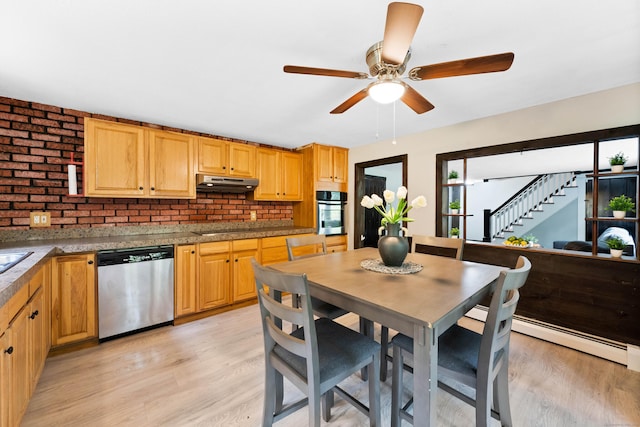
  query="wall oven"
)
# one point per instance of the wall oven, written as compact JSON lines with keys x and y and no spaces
{"x":330,"y":210}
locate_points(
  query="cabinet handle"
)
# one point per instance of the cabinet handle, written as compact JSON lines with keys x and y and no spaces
{"x":33,"y":315}
{"x":140,"y":188}
{"x":227,"y":260}
{"x":90,"y":262}
{"x":232,"y":169}
{"x":193,"y":252}
{"x":236,"y":260}
{"x":153,"y":188}
{"x":9,"y":350}
{"x":224,"y":167}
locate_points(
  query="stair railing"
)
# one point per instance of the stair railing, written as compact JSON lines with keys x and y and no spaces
{"x":528,"y":200}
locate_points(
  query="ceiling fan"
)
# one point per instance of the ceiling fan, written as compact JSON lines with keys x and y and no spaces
{"x":387,"y":60}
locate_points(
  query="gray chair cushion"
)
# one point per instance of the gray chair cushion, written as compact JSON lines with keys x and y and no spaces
{"x":458,"y":349}
{"x":339,"y":348}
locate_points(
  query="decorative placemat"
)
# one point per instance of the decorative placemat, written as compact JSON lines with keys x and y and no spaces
{"x":378,"y":266}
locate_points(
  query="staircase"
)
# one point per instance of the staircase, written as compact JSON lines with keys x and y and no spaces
{"x":529,"y":202}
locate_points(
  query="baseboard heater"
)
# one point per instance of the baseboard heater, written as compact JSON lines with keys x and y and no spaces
{"x":597,"y":346}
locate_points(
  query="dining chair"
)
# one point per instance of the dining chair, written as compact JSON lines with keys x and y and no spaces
{"x":315,"y":358}
{"x":304,"y":247}
{"x":430,"y":245}
{"x":466,"y":358}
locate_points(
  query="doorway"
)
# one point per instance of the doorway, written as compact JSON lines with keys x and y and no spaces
{"x":373,"y":177}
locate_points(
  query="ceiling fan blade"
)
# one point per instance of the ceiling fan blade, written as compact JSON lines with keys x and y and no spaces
{"x":463,"y":67}
{"x":415,"y":101}
{"x":350,"y":102}
{"x":402,"y":23}
{"x":324,"y":72}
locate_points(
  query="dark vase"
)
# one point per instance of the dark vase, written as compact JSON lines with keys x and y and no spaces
{"x":392,"y":246}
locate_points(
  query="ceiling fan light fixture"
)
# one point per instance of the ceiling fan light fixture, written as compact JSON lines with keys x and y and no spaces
{"x":386,"y":91}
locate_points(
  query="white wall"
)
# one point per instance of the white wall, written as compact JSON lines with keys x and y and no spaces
{"x":600,"y":110}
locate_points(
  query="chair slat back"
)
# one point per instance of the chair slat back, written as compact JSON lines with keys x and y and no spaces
{"x":306,"y":246}
{"x":273,"y":311}
{"x":441,"y":246}
{"x":495,"y":338}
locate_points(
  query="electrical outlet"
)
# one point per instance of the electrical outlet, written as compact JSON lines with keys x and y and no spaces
{"x":254,"y":216}
{"x":40,"y":219}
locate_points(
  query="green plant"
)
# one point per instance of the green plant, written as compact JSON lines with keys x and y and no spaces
{"x":455,"y":204}
{"x":618,"y":159}
{"x":453,"y":175}
{"x":615,"y":243}
{"x":622,"y":203}
{"x":455,"y":231}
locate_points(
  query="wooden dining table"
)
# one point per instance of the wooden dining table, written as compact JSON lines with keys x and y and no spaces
{"x":421,"y":305}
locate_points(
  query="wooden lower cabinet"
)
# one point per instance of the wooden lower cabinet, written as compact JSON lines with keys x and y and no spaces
{"x":24,"y":345}
{"x":274,"y":249}
{"x":244,"y":285}
{"x":73,"y":299}
{"x":214,"y":274}
{"x":185,"y":280}
{"x":336,"y":243}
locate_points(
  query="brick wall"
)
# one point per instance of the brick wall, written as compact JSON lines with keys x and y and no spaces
{"x":36,"y":143}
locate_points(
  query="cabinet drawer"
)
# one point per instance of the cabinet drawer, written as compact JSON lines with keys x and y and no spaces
{"x":36,"y":282}
{"x":244,"y":245}
{"x":213,"y":247}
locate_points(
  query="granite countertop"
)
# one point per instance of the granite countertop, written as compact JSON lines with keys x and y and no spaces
{"x":60,"y":242}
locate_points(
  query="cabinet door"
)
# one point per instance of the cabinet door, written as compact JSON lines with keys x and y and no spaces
{"x":185,"y":287}
{"x":214,"y":275}
{"x":340,"y":165}
{"x":244,"y":285}
{"x":19,"y":366}
{"x":73,"y":299}
{"x":267,"y":171}
{"x":37,"y":336}
{"x":171,"y":160}
{"x":6,"y":359}
{"x":212,"y":156}
{"x":114,"y":163}
{"x":324,"y":163}
{"x":291,"y":176}
{"x":242,"y":160}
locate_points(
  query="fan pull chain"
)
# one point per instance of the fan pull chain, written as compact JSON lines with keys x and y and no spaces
{"x":377,"y":121}
{"x":394,"y":123}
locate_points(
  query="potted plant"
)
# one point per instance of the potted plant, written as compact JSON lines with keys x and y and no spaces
{"x":616,"y":246}
{"x":454,"y":233}
{"x":454,"y":206}
{"x":617,"y":162}
{"x":453,"y":177}
{"x":620,"y":205}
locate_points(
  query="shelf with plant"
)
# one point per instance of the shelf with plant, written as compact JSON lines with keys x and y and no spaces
{"x":617,"y":162}
{"x":616,"y":246}
{"x":620,"y":205}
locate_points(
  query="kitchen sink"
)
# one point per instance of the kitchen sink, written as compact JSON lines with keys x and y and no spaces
{"x":8,"y":260}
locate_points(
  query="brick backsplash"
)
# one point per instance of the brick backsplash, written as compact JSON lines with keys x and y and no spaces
{"x":36,"y":142}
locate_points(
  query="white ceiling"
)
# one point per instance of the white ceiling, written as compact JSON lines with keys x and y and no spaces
{"x":216,"y":66}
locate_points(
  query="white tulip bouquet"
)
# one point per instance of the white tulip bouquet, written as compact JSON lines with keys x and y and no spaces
{"x":391,"y":214}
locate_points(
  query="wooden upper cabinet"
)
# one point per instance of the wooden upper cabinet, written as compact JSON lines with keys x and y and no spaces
{"x":279,"y":174}
{"x":114,"y":163}
{"x":291,"y":176}
{"x":224,"y":158}
{"x":171,"y":160}
{"x":123,"y":160}
{"x":331,"y":165}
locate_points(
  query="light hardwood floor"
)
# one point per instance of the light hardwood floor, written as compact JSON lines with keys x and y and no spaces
{"x":210,"y":373}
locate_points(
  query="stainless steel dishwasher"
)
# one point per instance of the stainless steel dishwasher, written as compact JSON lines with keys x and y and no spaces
{"x":135,"y":290}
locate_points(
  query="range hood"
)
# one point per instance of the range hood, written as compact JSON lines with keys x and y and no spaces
{"x":224,"y":184}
